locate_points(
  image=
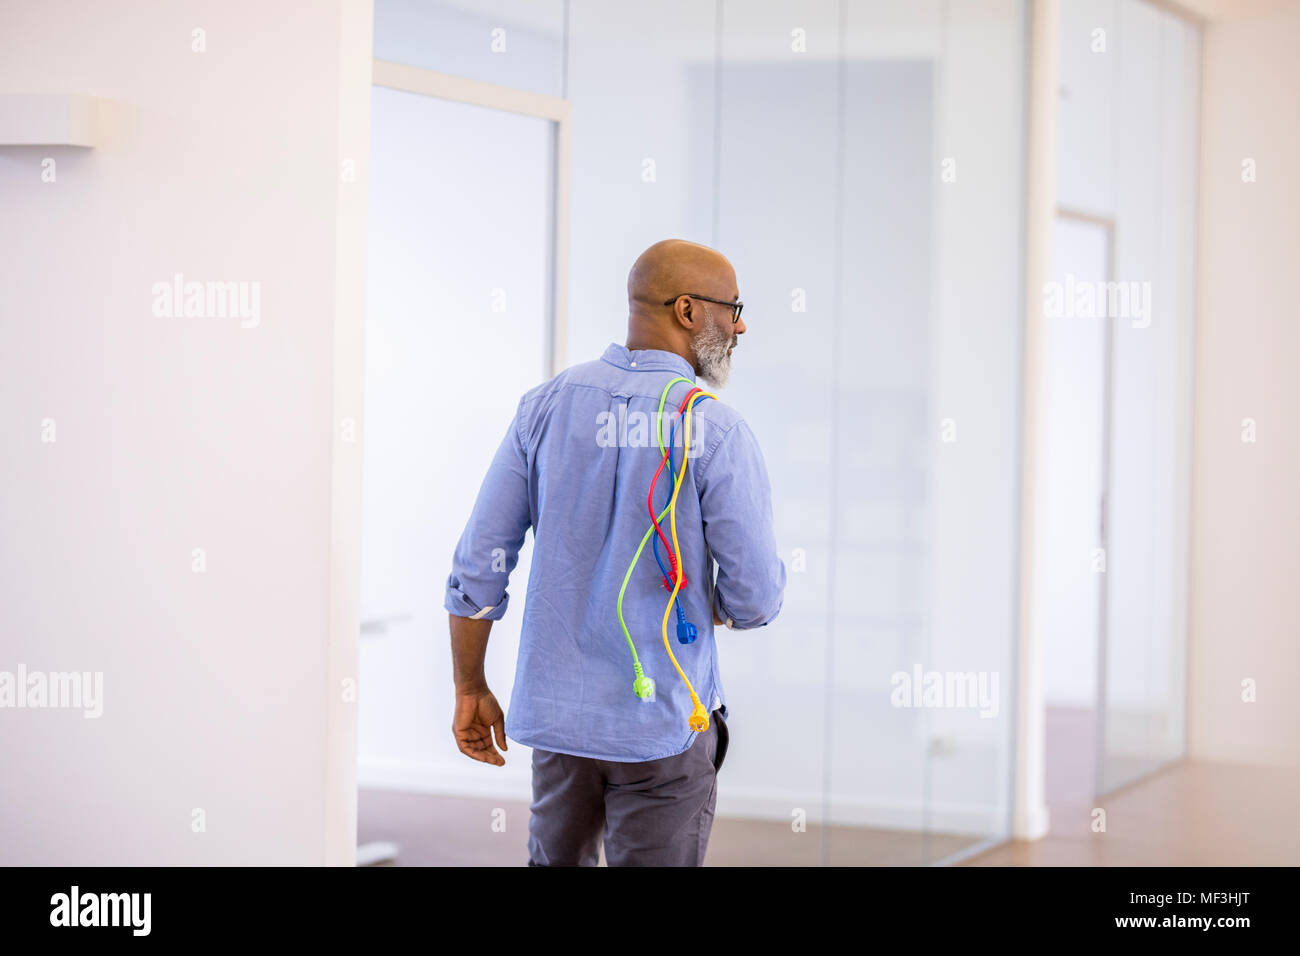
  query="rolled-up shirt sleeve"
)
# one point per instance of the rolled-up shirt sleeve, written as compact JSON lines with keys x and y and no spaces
{"x":736,"y":506}
{"x":488,"y":549}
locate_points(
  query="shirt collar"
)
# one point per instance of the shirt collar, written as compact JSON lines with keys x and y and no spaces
{"x":651,"y":360}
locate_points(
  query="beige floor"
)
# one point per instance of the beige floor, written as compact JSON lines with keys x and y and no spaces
{"x":1189,"y":814}
{"x":456,"y":831}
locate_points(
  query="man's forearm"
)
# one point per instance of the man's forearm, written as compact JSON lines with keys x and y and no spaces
{"x":469,"y":639}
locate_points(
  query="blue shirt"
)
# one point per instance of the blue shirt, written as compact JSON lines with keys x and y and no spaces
{"x":575,"y":465}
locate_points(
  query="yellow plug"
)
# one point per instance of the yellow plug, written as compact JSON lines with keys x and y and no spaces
{"x":699,"y":717}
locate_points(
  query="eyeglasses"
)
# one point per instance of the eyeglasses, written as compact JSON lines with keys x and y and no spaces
{"x":736,"y":306}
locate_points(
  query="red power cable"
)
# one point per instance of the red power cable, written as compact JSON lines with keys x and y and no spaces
{"x":650,"y":499}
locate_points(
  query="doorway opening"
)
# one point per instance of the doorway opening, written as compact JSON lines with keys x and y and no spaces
{"x":1072,"y":527}
{"x":465,"y":299}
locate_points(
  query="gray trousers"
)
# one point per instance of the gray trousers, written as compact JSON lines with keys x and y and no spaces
{"x":653,"y":813}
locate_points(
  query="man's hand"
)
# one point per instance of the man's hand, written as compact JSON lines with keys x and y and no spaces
{"x":477,"y":712}
{"x":477,"y":716}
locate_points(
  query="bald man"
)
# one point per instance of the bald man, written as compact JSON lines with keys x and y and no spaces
{"x":614,"y":756}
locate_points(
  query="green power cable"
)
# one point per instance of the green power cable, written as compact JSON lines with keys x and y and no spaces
{"x":643,"y":686}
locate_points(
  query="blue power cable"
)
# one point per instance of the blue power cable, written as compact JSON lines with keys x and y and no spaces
{"x":686,"y":631}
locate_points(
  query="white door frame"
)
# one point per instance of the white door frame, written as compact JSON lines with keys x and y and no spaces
{"x":459,"y":89}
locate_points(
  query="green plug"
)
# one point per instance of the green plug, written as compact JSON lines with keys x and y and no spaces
{"x":644,"y":687}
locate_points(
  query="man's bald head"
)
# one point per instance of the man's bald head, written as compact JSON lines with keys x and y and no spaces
{"x":674,"y":266}
{"x":668,"y":307}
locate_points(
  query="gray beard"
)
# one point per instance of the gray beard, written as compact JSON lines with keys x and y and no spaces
{"x":710,"y":347}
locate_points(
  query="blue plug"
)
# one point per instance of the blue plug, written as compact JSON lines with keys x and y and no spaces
{"x":686,"y":632}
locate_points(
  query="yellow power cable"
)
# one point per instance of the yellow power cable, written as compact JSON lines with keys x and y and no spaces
{"x":699,"y":719}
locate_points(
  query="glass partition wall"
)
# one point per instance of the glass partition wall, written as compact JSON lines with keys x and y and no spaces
{"x":1128,"y":145}
{"x":861,"y":164}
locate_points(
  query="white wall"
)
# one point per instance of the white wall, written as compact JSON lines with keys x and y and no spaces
{"x":221,"y":689}
{"x":1245,"y":604}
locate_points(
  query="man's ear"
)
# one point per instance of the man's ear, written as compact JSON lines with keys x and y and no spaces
{"x":684,"y":312}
